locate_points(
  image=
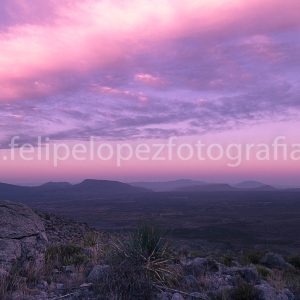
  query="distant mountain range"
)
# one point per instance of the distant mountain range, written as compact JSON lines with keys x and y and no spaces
{"x":99,"y":189}
{"x":166,"y":186}
{"x":192,"y":185}
{"x":87,"y":189}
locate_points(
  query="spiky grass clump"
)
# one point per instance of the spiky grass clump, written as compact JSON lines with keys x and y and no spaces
{"x":91,"y":239}
{"x":139,"y":263}
{"x":146,"y":248}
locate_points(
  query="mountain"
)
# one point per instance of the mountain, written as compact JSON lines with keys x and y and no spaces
{"x":54,"y":186}
{"x":64,"y":191}
{"x":251,"y":184}
{"x":264,"y":188}
{"x":223,"y":187}
{"x":218,"y":187}
{"x":166,"y":186}
{"x":7,"y":191}
{"x":107,"y":187}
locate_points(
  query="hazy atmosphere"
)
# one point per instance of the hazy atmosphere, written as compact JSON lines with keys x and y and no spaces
{"x":144,"y":71}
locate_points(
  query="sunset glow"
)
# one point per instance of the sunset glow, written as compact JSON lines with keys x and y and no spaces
{"x":141,"y":71}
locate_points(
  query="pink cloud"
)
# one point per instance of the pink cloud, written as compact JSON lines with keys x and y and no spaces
{"x":149,"y":79}
{"x":90,"y":35}
{"x":114,"y":92}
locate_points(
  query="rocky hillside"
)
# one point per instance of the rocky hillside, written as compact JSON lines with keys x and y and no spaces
{"x":43,"y":256}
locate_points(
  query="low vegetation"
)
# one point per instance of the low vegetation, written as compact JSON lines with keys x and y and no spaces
{"x":244,"y":291}
{"x":139,"y":263}
{"x":144,"y":265}
{"x":64,"y":255}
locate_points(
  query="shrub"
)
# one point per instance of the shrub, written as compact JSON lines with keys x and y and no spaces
{"x":253,"y":257}
{"x":91,"y":239}
{"x":263,"y":272}
{"x":292,"y":281}
{"x":138,"y":263}
{"x":295,"y":261}
{"x":244,"y":291}
{"x":146,"y":248}
{"x":227,"y":260}
{"x":125,"y":282}
{"x":63,"y":255}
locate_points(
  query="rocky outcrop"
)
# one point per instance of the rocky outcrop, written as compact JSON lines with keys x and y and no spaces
{"x":22,"y":236}
{"x":273,"y":260}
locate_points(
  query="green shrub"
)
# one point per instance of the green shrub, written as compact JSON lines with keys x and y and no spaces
{"x":227,"y":260}
{"x":244,"y":291}
{"x":63,"y":255}
{"x":91,"y":239}
{"x":125,"y":282}
{"x":138,"y":263}
{"x":295,"y":261}
{"x":263,"y":272}
{"x":253,"y":257}
{"x":147,"y":248}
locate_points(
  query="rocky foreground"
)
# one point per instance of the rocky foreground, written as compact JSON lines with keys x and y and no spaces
{"x":43,"y":256}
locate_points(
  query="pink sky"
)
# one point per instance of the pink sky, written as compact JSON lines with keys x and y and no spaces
{"x":144,"y":70}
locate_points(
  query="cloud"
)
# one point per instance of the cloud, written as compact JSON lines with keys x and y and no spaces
{"x":149,"y":79}
{"x":90,"y":35}
{"x":130,"y":69}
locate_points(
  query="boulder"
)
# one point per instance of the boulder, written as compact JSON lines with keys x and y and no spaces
{"x":163,"y":296}
{"x":98,"y":273}
{"x":272,"y":260}
{"x":267,"y":292}
{"x":22,"y":236}
{"x":177,"y":296}
{"x":248,"y":274}
{"x":201,"y":265}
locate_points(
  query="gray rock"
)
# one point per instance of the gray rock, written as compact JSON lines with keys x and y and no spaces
{"x":196,"y":295}
{"x":60,"y":286}
{"x":22,"y":236}
{"x":163,"y":296}
{"x":248,"y":274}
{"x":267,"y":292}
{"x":98,"y":273}
{"x":200,"y":265}
{"x":177,"y":296}
{"x":43,"y":285}
{"x":69,"y":269}
{"x":273,"y":260}
{"x":17,"y":295}
{"x":86,"y":285}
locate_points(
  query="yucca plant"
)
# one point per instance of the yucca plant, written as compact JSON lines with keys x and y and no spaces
{"x":147,"y":249}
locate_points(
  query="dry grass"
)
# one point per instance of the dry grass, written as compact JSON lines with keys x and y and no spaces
{"x":244,"y":291}
{"x":63,"y":255}
{"x":139,"y":262}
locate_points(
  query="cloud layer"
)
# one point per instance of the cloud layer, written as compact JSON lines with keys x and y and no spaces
{"x":144,"y":69}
